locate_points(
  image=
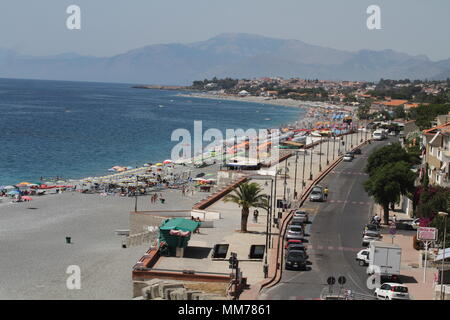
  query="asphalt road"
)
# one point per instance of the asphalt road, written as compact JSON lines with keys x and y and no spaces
{"x":334,"y":236}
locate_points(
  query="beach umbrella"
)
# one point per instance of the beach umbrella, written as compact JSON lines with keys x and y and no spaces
{"x":27,"y":198}
{"x":159,"y":164}
{"x":14,"y":192}
{"x":167,"y":161}
{"x":9,"y":187}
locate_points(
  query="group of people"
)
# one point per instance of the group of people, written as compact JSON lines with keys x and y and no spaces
{"x":376,"y":220}
{"x":154,"y":198}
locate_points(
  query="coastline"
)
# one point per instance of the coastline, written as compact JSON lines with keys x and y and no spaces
{"x":255,"y":99}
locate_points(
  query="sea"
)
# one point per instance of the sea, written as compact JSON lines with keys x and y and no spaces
{"x":74,"y":130}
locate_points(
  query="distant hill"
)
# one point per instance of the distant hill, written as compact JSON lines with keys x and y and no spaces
{"x":227,"y":55}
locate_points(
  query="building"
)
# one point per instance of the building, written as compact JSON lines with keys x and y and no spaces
{"x":437,"y":154}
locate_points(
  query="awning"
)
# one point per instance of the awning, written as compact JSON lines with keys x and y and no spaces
{"x":440,"y":255}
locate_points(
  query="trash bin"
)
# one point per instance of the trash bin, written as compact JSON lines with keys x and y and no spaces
{"x":68,"y":239}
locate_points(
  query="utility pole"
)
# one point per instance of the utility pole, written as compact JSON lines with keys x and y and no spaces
{"x":310,"y":164}
{"x":135,"y":195}
{"x":320,"y":154}
{"x":295,"y":176}
{"x":285,"y":182}
{"x":304,"y":164}
{"x":328,"y":147}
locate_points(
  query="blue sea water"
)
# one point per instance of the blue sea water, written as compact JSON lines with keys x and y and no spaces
{"x":80,"y":129}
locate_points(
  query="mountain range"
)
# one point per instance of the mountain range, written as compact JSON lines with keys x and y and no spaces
{"x":233,"y":55}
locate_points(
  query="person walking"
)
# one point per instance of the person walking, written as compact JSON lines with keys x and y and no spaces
{"x":255,"y":216}
{"x":325,"y":192}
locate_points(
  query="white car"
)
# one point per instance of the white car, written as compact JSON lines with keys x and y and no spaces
{"x":363,"y":257}
{"x":348,"y":157}
{"x":367,"y":239}
{"x":301,"y":215}
{"x":392,"y":291}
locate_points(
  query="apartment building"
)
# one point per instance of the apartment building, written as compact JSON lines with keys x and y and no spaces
{"x":437,"y":154}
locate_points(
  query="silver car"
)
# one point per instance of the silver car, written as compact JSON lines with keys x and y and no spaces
{"x":301,"y":216}
{"x":294,"y":232}
{"x":317,"y":194}
{"x":348,"y":157}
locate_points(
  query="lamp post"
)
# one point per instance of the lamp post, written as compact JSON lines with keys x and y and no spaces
{"x":304,"y":164}
{"x":351,"y":135}
{"x":320,"y":154}
{"x":310,"y":164}
{"x":285,"y":182}
{"x":328,"y":147}
{"x":135,"y":195}
{"x":444,"y":215}
{"x":295,"y":175}
{"x":334,"y":146}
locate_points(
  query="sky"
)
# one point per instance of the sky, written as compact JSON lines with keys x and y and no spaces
{"x":110,"y":27}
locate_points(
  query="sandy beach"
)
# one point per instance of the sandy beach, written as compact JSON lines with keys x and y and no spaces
{"x":255,"y":99}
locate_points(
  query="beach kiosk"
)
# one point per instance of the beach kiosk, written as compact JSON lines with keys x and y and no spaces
{"x":174,"y":235}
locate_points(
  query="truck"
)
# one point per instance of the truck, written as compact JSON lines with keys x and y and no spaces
{"x":384,"y":258}
{"x":379,"y":134}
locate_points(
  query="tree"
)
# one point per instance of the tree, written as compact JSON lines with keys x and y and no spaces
{"x":432,"y":200}
{"x":399,"y":112}
{"x":388,"y":182}
{"x":363,"y":111}
{"x":387,"y":154}
{"x":247,"y":195}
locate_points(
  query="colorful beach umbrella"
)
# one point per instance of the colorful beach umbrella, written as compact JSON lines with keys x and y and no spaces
{"x":27,"y":198}
{"x":159,"y":164}
{"x":167,"y":161}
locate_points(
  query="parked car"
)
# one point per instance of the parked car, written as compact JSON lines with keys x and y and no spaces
{"x":368,"y":238}
{"x":357,"y":151}
{"x":392,"y":291}
{"x":372,"y":233}
{"x":293,"y":241}
{"x":295,"y":260}
{"x":296,"y":222}
{"x":363,"y":257}
{"x":415,"y":224}
{"x":297,"y":248}
{"x":294,"y":232}
{"x":301,"y":215}
{"x":371,"y":227}
{"x":348,"y":157}
{"x":404,"y":224}
{"x":317,"y":194}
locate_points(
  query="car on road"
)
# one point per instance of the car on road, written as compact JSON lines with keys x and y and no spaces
{"x":357,"y":151}
{"x":368,"y":238}
{"x":371,"y":227}
{"x":294,"y":232}
{"x":292,"y":241}
{"x":295,"y":259}
{"x":296,"y":246}
{"x":317,"y":194}
{"x":296,"y":222}
{"x":392,"y":291}
{"x":301,"y":215}
{"x":348,"y":157}
{"x":372,"y":233}
{"x":363,"y":257}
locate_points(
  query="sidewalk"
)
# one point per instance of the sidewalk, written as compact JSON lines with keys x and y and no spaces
{"x":412,"y":273}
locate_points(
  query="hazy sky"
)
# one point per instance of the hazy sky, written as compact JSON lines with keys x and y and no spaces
{"x":109,"y":27}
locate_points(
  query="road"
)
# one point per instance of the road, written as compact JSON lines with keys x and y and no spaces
{"x":334,"y":236}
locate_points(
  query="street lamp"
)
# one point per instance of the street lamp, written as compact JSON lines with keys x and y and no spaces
{"x":310,"y":164}
{"x":295,"y":175}
{"x":444,"y":215}
{"x":320,"y":154}
{"x":328,"y":147}
{"x":304,"y":164}
{"x":285,"y":177}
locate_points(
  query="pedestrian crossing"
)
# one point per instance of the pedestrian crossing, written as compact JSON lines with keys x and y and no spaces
{"x":349,"y":202}
{"x":349,"y":172}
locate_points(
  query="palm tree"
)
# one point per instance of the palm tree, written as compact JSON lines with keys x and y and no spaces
{"x":247,"y":195}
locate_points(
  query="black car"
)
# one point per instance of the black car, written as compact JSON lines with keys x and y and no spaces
{"x":295,"y":259}
{"x":296,"y":246}
{"x":357,"y":151}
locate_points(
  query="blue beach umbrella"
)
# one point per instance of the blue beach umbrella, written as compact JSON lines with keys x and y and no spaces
{"x":14,"y":192}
